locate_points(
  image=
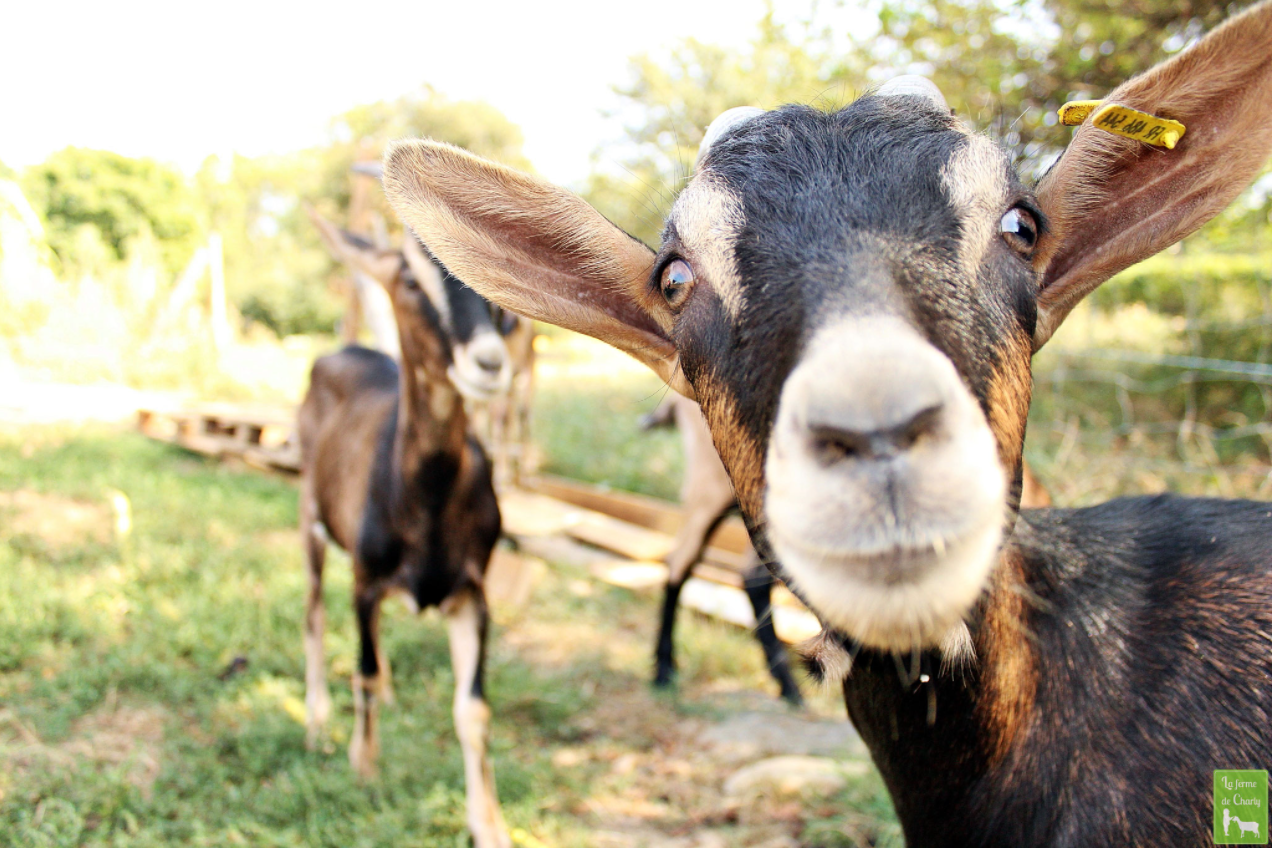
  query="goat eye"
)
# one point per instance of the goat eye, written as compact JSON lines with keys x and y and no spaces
{"x":678,"y":279}
{"x":1019,"y":229}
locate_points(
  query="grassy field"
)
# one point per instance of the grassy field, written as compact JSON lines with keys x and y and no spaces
{"x":132,"y":575}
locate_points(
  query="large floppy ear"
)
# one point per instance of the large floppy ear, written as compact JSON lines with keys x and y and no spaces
{"x":356,"y":252}
{"x":1111,"y":201}
{"x":533,"y":248}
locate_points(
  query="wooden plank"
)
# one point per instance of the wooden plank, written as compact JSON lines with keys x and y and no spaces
{"x":630,"y":574}
{"x":720,"y":602}
{"x":652,"y":513}
{"x":261,"y":436}
{"x":633,"y":542}
{"x":532,"y":514}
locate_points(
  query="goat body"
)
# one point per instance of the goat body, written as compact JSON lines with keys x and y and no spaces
{"x":390,"y":473}
{"x":854,"y":299}
{"x":1111,"y":656}
{"x":707,"y":497}
{"x":1244,"y":827}
{"x":415,"y":530}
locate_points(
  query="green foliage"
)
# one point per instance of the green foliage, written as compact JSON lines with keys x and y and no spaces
{"x":277,"y":272}
{"x":603,"y":412}
{"x":674,"y":96}
{"x":276,"y":269}
{"x":89,"y":195}
{"x":1009,"y":66}
{"x":1104,"y":42}
{"x":6,"y":173}
{"x":362,"y":133}
{"x":1004,"y":66}
{"x":473,"y":125}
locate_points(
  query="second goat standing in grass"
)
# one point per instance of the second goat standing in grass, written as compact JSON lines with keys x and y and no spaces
{"x":390,"y":473}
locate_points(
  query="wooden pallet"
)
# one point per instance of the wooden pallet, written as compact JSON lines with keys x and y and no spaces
{"x":716,"y":588}
{"x":725,"y":548}
{"x":259,"y":435}
{"x":638,"y":529}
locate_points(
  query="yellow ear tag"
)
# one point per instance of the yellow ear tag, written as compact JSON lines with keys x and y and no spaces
{"x":1123,"y":121}
{"x":1076,"y":111}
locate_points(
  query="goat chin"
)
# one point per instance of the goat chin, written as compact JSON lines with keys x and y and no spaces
{"x":917,"y":613}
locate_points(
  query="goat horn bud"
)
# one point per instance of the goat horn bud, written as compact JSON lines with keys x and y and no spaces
{"x":724,"y":122}
{"x":913,"y":85}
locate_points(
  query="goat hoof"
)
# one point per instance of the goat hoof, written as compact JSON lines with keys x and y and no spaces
{"x":362,"y":760}
{"x":793,"y":698}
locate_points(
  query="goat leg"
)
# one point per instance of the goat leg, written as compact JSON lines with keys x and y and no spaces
{"x":317,"y":697}
{"x":466,"y":619}
{"x":759,"y":584}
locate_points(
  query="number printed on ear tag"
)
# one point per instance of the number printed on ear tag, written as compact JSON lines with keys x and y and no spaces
{"x":1150,"y":129}
{"x":1123,"y":121}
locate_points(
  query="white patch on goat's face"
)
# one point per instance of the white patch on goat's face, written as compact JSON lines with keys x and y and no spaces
{"x":708,"y":218}
{"x":977,"y":185}
{"x":481,"y":368}
{"x":891,"y":545}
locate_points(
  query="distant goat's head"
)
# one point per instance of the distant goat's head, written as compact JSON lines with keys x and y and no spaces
{"x":854,"y":299}
{"x":443,"y":325}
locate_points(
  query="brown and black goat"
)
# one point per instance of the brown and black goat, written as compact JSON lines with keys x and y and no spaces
{"x":854,"y":299}
{"x":390,"y":473}
{"x":707,"y":497}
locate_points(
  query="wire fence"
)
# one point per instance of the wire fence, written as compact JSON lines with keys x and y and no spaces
{"x":1109,"y":421}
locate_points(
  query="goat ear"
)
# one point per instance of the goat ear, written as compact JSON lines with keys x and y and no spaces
{"x":1112,"y":201}
{"x":359,"y":254}
{"x":532,"y":248}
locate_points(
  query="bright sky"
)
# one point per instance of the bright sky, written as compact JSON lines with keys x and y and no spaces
{"x":179,"y":81}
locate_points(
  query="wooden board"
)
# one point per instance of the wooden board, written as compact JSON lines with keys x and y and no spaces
{"x":720,"y":601}
{"x":725,"y":547}
{"x":260,"y":435}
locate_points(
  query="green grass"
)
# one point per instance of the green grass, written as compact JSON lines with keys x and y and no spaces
{"x":587,"y":427}
{"x":116,"y":728}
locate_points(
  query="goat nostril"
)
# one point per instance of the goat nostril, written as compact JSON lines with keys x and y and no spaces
{"x":489,"y":362}
{"x":831,"y":444}
{"x":925,"y":424}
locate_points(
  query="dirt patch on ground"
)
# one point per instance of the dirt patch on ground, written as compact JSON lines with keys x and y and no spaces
{"x":112,"y":737}
{"x":658,"y":765}
{"x":57,"y":522}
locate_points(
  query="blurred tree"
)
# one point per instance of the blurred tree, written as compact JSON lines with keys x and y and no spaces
{"x":277,"y":272}
{"x":1104,"y":42}
{"x":1009,"y":65}
{"x":1005,"y":65}
{"x":118,"y":199}
{"x":275,"y":269}
{"x":361,"y":133}
{"x":6,"y":173}
{"x":672,"y":98}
